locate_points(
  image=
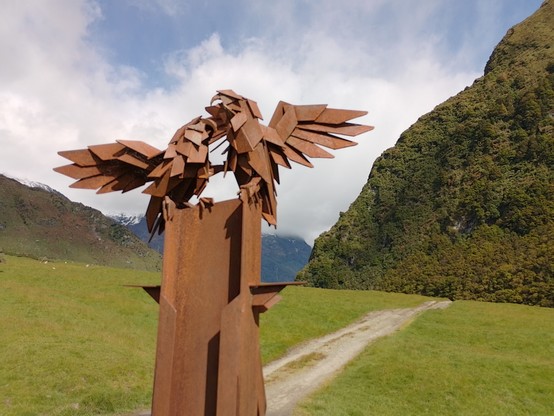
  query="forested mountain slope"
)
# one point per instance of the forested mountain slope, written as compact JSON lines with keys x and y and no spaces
{"x":463,"y":205}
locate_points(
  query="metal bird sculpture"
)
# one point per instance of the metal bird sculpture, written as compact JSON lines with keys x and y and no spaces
{"x":208,"y":358}
{"x":253,"y":153}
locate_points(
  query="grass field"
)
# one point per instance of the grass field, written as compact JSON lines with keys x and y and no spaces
{"x":470,"y":359}
{"x":74,"y":341}
{"x":307,"y":313}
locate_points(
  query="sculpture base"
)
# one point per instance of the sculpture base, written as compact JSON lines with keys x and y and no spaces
{"x":208,"y":358}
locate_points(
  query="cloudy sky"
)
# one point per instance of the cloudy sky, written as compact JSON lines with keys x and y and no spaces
{"x":81,"y":72}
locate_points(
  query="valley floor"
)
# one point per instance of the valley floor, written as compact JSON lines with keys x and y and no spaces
{"x":307,"y":367}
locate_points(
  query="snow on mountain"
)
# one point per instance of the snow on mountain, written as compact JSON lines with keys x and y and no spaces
{"x":31,"y":184}
{"x":127,"y":220}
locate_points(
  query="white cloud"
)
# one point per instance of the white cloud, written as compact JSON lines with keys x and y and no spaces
{"x":60,"y":92}
{"x":310,"y":200}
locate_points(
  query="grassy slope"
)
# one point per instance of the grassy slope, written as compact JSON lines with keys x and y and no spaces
{"x":470,"y":359}
{"x":74,"y":341}
{"x":40,"y":224}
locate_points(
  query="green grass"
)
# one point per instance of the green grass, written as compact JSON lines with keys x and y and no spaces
{"x":75,"y":341}
{"x":470,"y":359}
{"x":307,"y":313}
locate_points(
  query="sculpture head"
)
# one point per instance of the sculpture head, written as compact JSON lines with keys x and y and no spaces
{"x":229,"y":104}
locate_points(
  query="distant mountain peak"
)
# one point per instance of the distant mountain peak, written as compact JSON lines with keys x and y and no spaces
{"x":31,"y":184}
{"x":126,"y":219}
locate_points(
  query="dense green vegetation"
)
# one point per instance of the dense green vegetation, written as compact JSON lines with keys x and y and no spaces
{"x":472,"y":358}
{"x":463,"y":205}
{"x":75,"y":341}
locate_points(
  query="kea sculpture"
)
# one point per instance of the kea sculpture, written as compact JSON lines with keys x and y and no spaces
{"x":254,"y":152}
{"x":208,"y":360}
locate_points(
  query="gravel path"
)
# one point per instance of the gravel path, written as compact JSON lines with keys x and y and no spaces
{"x":305,"y":368}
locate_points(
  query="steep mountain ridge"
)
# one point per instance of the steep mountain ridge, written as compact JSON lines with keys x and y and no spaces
{"x":463,"y":205}
{"x":39,"y":222}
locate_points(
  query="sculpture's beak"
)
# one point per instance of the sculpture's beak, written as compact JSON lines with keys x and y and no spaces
{"x":216,"y":97}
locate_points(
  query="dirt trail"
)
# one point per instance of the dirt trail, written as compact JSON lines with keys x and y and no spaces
{"x":306,"y":367}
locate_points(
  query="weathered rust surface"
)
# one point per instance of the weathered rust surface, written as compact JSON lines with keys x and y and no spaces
{"x":201,"y":275}
{"x":254,"y":151}
{"x":208,"y":359}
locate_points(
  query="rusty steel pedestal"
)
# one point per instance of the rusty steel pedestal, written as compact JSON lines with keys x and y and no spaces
{"x":208,"y":356}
